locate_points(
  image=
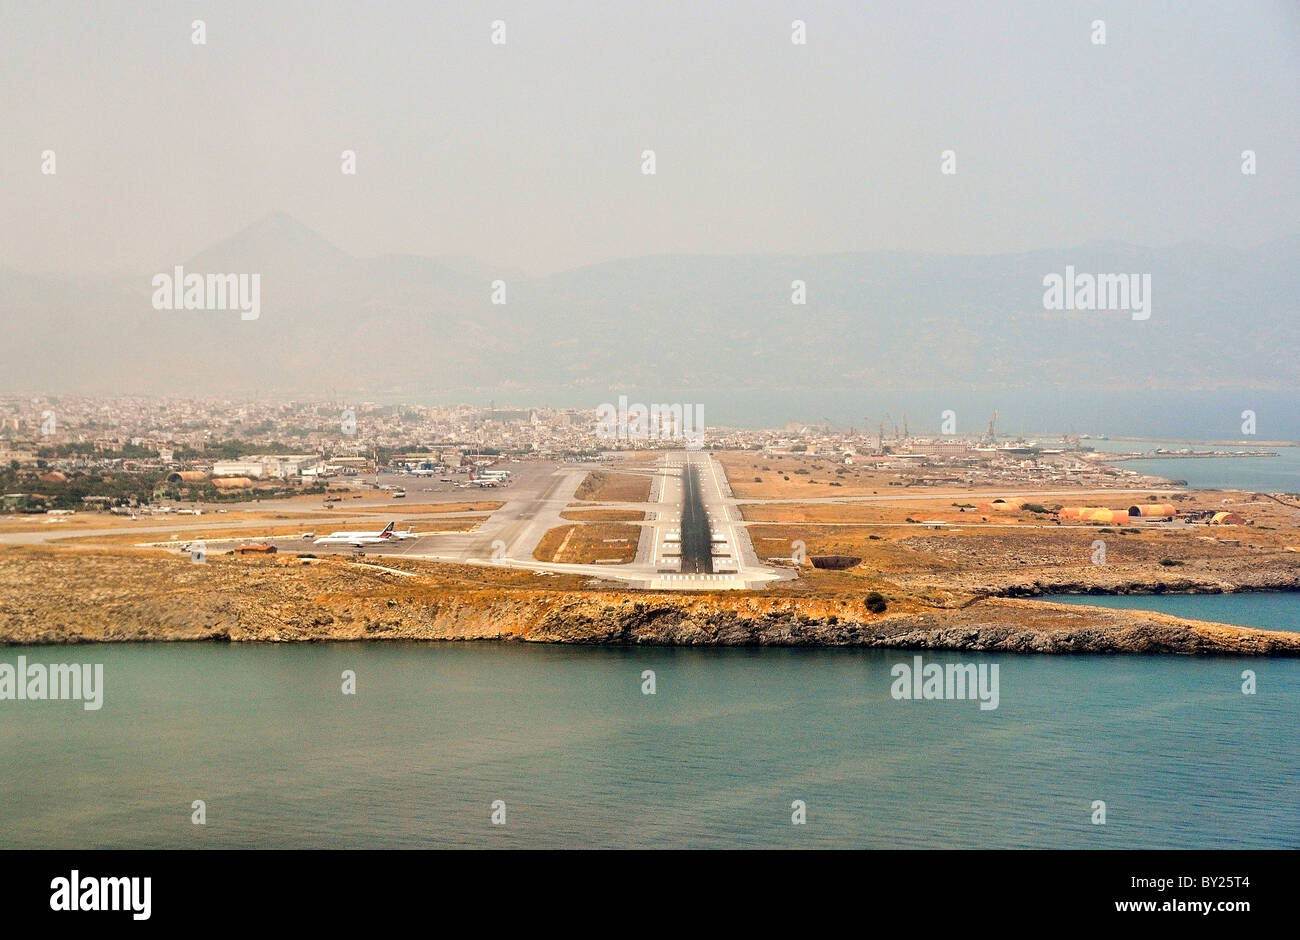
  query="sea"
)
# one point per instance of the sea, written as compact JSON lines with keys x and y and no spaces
{"x":512,"y":745}
{"x":1276,"y":474}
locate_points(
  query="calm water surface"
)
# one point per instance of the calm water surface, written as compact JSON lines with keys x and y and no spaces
{"x":1269,"y":611}
{"x":437,"y":732}
{"x":1280,"y":474}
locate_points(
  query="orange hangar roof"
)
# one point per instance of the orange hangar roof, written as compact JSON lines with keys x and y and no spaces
{"x":1154,"y":509}
{"x":1094,"y":514}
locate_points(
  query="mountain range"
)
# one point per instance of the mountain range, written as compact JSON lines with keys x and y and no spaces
{"x":426,"y":328}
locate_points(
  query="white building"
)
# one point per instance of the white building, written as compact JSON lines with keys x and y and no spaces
{"x":253,"y":467}
{"x":258,"y":466}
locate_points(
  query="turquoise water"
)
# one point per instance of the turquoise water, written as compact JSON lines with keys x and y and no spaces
{"x":437,"y":732}
{"x":1280,"y":474}
{"x":1270,"y":611}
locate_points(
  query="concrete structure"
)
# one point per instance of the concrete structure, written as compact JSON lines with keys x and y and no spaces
{"x":1153,"y":509}
{"x":1002,"y":504}
{"x":288,"y":466}
{"x":187,"y":476}
{"x":259,"y":466}
{"x":244,"y":467}
{"x":1095,"y":514}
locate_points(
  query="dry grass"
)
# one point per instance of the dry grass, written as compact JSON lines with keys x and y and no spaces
{"x":809,"y":477}
{"x":606,"y":543}
{"x":838,"y":513}
{"x":291,"y":510}
{"x":949,"y":563}
{"x":611,"y":543}
{"x":614,"y":487}
{"x":552,"y":542}
{"x":258,"y":533}
{"x":603,"y":515}
{"x":155,"y":595}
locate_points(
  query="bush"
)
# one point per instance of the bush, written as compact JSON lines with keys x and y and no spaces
{"x":876,"y":602}
{"x":1169,"y":562}
{"x":758,"y":479}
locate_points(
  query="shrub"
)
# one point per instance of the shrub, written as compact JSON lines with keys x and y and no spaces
{"x":876,"y":602}
{"x":1169,"y":562}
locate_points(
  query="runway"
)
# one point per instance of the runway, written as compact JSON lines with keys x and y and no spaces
{"x":716,"y":554}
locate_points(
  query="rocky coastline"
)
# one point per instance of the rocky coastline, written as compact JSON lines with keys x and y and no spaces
{"x":62,"y":597}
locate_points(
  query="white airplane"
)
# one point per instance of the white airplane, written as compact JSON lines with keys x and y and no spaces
{"x":408,"y":534}
{"x":489,"y":477}
{"x":357,"y":538}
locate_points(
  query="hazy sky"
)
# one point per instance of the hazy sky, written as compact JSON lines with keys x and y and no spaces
{"x":529,"y":154}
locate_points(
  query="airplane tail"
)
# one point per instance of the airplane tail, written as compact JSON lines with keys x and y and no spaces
{"x":388,"y":531}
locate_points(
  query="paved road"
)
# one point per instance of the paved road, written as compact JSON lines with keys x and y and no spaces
{"x":697,"y":534}
{"x":532,"y":505}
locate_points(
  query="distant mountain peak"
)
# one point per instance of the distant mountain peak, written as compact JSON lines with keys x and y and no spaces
{"x":275,"y":239}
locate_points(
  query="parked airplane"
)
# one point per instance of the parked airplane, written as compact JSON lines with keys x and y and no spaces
{"x":488,"y":477}
{"x":408,"y":534}
{"x":357,"y":538}
{"x":475,"y":480}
